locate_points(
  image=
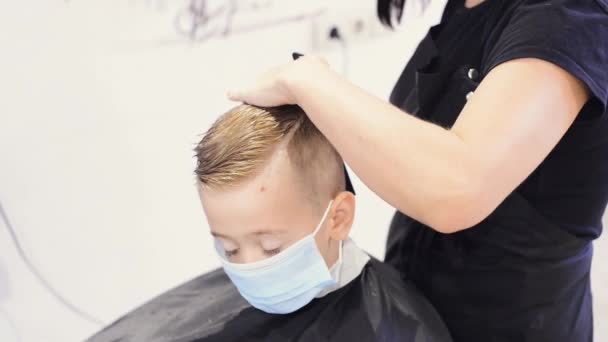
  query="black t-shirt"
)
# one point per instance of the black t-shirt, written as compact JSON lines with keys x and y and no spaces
{"x":570,"y":187}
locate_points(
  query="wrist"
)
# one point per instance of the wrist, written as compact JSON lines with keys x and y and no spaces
{"x":305,"y":73}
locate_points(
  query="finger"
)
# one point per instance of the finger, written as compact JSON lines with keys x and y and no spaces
{"x":235,"y":95}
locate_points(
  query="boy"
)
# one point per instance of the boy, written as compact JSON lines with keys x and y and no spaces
{"x":273,"y":189}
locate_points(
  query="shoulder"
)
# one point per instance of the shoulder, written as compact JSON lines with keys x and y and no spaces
{"x":572,"y":34}
{"x":551,"y":21}
{"x":539,"y":4}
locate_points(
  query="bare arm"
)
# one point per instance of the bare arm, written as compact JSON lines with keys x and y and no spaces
{"x":447,"y":179}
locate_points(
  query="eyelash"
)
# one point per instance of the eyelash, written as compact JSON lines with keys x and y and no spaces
{"x":231,"y":253}
{"x":271,"y":252}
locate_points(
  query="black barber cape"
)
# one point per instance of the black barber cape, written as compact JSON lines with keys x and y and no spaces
{"x":375,"y":306}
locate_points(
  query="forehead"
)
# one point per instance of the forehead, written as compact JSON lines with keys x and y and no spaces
{"x":269,"y":201}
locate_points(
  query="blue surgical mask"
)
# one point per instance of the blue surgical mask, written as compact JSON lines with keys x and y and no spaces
{"x":284,"y":282}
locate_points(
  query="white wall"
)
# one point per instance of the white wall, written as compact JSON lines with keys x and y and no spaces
{"x":100,"y":105}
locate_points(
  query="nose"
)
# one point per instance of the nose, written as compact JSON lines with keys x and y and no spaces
{"x":250,"y":255}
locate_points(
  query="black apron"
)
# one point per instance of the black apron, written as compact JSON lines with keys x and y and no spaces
{"x":515,"y":276}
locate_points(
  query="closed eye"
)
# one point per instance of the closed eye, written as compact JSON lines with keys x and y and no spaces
{"x":272,"y":251}
{"x":230,"y":254}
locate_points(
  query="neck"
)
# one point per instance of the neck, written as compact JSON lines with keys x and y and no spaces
{"x":353,"y":261}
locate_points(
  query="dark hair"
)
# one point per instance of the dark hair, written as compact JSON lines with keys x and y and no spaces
{"x":392,"y":9}
{"x":386,"y":10}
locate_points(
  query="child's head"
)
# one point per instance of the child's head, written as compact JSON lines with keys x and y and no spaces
{"x":265,"y":177}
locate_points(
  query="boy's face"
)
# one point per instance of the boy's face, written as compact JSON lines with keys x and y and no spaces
{"x":268,"y":212}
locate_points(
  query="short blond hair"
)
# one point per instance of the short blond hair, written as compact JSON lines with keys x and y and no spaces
{"x":242,"y":140}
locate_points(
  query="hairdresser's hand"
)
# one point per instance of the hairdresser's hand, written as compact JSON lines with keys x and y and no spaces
{"x":272,"y":87}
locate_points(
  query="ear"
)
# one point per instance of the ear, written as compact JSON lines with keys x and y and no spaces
{"x":342,"y":215}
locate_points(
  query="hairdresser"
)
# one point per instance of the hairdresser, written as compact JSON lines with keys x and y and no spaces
{"x":494,"y":151}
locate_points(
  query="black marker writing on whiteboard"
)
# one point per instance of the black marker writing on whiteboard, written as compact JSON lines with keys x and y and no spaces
{"x":199,"y":21}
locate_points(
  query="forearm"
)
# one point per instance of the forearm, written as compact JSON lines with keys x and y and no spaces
{"x":420,"y":168}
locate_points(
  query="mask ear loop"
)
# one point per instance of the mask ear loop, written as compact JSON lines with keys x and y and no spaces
{"x":314,"y":233}
{"x":338,"y":262}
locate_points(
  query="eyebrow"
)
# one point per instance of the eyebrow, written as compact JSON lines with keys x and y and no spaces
{"x":269,"y":232}
{"x":256,"y":233}
{"x":218,"y":235}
